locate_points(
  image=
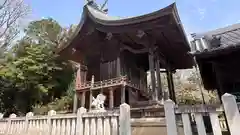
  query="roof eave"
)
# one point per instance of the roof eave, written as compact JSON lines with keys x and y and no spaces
{"x":86,"y":12}
{"x":180,"y":25}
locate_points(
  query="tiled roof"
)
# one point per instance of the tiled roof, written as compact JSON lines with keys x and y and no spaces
{"x":216,"y":40}
{"x":163,"y":27}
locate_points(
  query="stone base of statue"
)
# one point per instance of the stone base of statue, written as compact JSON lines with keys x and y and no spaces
{"x":97,"y":110}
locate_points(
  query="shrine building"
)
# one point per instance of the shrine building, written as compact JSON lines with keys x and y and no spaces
{"x":217,"y":54}
{"x":114,"y":55}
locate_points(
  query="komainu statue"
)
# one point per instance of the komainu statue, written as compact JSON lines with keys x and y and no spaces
{"x":98,"y":102}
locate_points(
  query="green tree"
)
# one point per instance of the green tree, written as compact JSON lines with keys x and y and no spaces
{"x":33,"y":73}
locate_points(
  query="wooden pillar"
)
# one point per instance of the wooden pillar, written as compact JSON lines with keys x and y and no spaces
{"x":111,"y":98}
{"x":118,"y":67}
{"x":83,"y":98}
{"x":77,"y":87}
{"x":165,"y":95}
{"x":173,"y":88}
{"x":152,"y":72}
{"x":219,"y":89}
{"x":75,"y":102}
{"x":90,"y":99}
{"x":123,"y":94}
{"x":101,"y":91}
{"x":170,"y":85}
{"x":90,"y":93}
{"x":159,"y":83}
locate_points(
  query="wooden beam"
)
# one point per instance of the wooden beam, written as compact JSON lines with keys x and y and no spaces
{"x":135,"y":51}
{"x":161,"y":57}
{"x":130,"y":38}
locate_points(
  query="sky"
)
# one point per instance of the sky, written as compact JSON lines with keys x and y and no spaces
{"x":196,"y":15}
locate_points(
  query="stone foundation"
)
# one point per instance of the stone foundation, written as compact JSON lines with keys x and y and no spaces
{"x":151,"y":126}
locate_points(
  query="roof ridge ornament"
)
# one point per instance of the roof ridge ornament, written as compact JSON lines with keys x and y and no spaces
{"x":96,"y":6}
{"x":92,"y":3}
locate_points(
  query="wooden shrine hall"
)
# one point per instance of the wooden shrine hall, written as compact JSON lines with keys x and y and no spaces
{"x":114,"y":55}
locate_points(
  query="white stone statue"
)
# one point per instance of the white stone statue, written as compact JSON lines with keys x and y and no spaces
{"x":98,"y":102}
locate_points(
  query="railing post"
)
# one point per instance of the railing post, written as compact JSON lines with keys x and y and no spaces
{"x":79,"y":125}
{"x":200,"y":124}
{"x":1,"y":116}
{"x":29,"y":114}
{"x":125,"y":120}
{"x":232,"y":113}
{"x":169,"y":109}
{"x":215,"y":123}
{"x":186,"y":124}
{"x":49,"y":123}
{"x":8,"y":129}
{"x":3,"y":126}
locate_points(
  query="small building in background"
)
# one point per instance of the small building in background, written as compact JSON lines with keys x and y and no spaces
{"x":217,"y":54}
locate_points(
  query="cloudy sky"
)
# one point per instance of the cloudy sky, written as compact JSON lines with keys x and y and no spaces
{"x":196,"y":15}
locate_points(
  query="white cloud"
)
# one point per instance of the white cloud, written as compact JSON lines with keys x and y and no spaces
{"x":201,"y":12}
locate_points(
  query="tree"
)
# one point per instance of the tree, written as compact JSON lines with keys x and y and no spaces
{"x":188,"y":89}
{"x":49,"y":31}
{"x":191,"y":90}
{"x":31,"y":75}
{"x":37,"y":76}
{"x":11,"y":13}
{"x":63,"y":104}
{"x":45,"y":31}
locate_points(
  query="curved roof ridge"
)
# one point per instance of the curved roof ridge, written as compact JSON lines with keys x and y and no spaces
{"x":102,"y":18}
{"x":100,"y":13}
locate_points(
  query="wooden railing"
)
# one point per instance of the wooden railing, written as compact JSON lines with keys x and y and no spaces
{"x":114,"y":82}
{"x":229,"y":107}
{"x":104,"y":83}
{"x":83,"y":123}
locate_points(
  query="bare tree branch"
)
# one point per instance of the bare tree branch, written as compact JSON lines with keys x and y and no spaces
{"x":11,"y":12}
{"x":3,"y":4}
